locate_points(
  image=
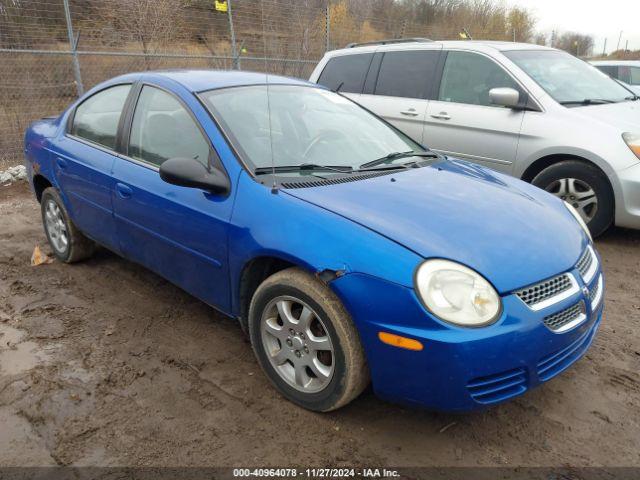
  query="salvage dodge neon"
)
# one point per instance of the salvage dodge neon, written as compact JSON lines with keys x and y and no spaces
{"x":348,"y":252}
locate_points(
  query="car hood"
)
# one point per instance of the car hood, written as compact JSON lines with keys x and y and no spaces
{"x":509,"y":231}
{"x":624,"y":115}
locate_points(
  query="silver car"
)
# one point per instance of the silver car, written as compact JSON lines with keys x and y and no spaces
{"x":534,"y":112}
{"x":626,"y":72}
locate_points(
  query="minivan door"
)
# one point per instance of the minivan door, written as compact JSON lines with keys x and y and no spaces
{"x":398,"y":87}
{"x":462,"y":121}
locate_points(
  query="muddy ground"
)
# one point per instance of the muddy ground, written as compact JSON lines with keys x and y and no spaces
{"x":104,"y":363}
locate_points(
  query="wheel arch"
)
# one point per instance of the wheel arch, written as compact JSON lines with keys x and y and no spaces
{"x":257,"y":269}
{"x":543,"y":162}
{"x":40,"y":183}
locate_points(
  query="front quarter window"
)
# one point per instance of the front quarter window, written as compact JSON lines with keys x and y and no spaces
{"x":567,"y":79}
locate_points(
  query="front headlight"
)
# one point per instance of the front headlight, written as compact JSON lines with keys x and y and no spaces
{"x":578,"y":218}
{"x":633,"y":142}
{"x":457,"y":294}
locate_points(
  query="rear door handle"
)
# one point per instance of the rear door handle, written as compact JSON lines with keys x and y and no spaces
{"x":124,"y":191}
{"x":441,"y":116}
{"x":62,"y":163}
{"x":410,"y":112}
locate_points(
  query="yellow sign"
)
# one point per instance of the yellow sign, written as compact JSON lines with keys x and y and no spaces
{"x":463,"y":35}
{"x":221,"y":5}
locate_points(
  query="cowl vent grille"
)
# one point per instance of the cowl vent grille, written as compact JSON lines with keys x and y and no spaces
{"x":319,"y":182}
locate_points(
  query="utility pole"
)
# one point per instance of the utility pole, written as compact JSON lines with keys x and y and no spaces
{"x":619,"y":40}
{"x":553,"y":38}
{"x":604,"y":49}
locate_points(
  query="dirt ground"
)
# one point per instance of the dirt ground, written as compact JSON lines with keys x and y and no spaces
{"x":104,"y":363}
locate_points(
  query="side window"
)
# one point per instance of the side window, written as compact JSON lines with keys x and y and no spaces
{"x":468,"y":77}
{"x":346,"y":72}
{"x":407,"y":74}
{"x":634,"y":74}
{"x":609,"y":70}
{"x":162,"y":129}
{"x":96,"y":119}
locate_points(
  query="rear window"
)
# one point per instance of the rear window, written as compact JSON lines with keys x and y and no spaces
{"x":347,"y":72}
{"x":407,"y":74}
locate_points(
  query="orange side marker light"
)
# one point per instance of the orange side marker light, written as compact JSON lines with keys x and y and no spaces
{"x":400,"y":342}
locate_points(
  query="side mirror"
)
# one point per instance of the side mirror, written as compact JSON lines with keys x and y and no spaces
{"x":188,"y":172}
{"x":505,"y":97}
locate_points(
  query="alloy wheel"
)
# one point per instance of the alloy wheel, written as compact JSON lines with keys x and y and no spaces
{"x":578,"y":194}
{"x":56,"y":227}
{"x":297,"y":344}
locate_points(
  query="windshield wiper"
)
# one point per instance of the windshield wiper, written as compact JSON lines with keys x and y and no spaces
{"x":394,"y":156}
{"x":588,"y":101}
{"x":303,"y":167}
{"x":633,"y":98}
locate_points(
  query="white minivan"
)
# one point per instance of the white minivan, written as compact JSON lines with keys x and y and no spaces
{"x":534,"y":112}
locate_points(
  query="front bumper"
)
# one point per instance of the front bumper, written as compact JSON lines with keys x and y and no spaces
{"x":627,"y":196}
{"x":461,"y":369}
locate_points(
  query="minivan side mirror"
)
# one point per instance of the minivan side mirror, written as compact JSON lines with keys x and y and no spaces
{"x":188,"y":172}
{"x":505,"y":97}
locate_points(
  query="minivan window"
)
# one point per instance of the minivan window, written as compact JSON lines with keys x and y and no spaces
{"x":568,"y":79}
{"x":163,"y":129}
{"x":96,"y":119}
{"x":407,"y":74}
{"x":468,"y":77}
{"x":629,"y":75}
{"x":346,"y":73}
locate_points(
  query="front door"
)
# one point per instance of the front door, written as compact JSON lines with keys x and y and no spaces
{"x":179,"y":232}
{"x":462,"y":121}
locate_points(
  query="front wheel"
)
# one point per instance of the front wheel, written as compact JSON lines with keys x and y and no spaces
{"x":305,"y":341}
{"x":584,"y":187}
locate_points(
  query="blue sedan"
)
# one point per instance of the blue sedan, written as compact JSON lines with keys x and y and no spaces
{"x":349,"y":253}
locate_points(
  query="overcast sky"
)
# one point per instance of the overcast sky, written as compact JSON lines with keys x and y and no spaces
{"x":602,"y":19}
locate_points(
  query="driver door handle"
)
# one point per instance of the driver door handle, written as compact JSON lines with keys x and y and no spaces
{"x":441,"y":116}
{"x":410,"y":112}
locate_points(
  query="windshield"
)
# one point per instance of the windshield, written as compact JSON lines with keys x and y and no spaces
{"x":568,"y":79}
{"x":308,"y":126}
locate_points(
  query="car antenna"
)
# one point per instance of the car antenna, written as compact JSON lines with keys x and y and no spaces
{"x":274,"y":186}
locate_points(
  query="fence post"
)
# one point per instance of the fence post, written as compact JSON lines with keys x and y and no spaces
{"x":73,"y":44}
{"x":234,"y":47}
{"x":327,"y":27}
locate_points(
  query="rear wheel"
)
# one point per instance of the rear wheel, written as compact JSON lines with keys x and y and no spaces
{"x":305,"y":341}
{"x":67,"y":242}
{"x":584,"y":187}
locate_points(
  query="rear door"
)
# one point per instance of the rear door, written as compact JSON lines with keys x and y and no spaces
{"x":178,"y":232}
{"x":399,"y":85}
{"x":461,"y":121}
{"x":84,"y":160}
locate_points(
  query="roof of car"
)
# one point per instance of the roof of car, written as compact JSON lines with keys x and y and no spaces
{"x":481,"y":45}
{"x":199,"y":80}
{"x":616,"y":62}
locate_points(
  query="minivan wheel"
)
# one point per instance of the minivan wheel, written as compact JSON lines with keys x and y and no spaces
{"x":67,"y":242}
{"x":305,"y":341}
{"x":585,"y":188}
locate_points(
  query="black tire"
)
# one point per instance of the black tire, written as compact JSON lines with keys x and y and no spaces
{"x":589,"y":175}
{"x":350,"y":373}
{"x":78,"y":246}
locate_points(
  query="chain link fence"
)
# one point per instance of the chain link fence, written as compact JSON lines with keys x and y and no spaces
{"x":53,"y":50}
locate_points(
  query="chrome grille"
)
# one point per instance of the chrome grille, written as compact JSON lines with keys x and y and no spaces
{"x":595,"y":293}
{"x":587,"y":265}
{"x":542,"y":291}
{"x":563,"y":320}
